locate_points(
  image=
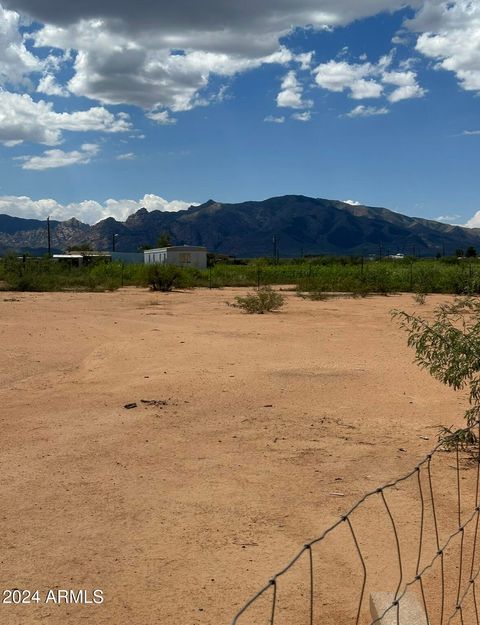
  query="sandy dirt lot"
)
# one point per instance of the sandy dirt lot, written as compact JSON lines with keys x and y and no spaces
{"x":180,"y":510}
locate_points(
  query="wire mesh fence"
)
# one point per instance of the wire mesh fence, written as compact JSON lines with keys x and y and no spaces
{"x":403,"y":537}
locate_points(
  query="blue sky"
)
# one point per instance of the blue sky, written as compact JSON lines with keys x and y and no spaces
{"x":109,"y":106}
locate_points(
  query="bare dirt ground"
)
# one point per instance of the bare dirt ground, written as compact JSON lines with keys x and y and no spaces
{"x":180,"y":511}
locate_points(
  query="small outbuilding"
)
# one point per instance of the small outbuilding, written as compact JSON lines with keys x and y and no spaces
{"x":180,"y":255}
{"x":82,"y":257}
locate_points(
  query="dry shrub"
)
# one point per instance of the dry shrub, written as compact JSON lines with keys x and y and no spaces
{"x":264,"y":300}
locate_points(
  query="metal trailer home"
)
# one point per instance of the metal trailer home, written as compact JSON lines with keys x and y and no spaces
{"x":82,"y":257}
{"x":181,"y":255}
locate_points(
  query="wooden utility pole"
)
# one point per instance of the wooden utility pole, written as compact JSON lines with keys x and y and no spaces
{"x":49,"y":240}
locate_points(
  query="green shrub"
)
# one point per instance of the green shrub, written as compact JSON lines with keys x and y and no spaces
{"x":264,"y":300}
{"x":168,"y":277}
{"x":381,"y":279}
{"x":21,"y":276}
{"x":425,"y":279}
{"x":326,"y":274}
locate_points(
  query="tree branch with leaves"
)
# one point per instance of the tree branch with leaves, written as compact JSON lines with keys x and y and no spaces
{"x":448,"y":346}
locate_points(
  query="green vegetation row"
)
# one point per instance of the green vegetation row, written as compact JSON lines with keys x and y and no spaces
{"x":460,"y":276}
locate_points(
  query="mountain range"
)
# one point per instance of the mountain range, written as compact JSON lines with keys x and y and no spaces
{"x":301,"y":226}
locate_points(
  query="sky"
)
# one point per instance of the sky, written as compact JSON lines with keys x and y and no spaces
{"x":107,"y":106}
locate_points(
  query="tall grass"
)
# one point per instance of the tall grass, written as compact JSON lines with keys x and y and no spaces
{"x":320,"y":275}
{"x":386,"y":276}
{"x":47,"y":275}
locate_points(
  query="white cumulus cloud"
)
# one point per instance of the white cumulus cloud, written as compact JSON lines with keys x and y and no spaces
{"x":49,"y":86}
{"x":127,"y":156}
{"x":369,"y":80}
{"x":23,"y":119}
{"x":161,"y":117}
{"x":367,"y":111}
{"x":340,"y":76}
{"x":162,"y":56}
{"x":273,"y":119}
{"x":15,"y":60}
{"x":159,"y":55}
{"x":116,"y":67}
{"x":405,"y":83}
{"x":474,"y":222}
{"x":88,"y":211}
{"x":447,"y":218}
{"x":305,"y":116}
{"x":450,"y":33}
{"x":406,"y":93}
{"x":291,"y":91}
{"x":52,"y":159}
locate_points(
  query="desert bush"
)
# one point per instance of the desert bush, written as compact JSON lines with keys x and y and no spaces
{"x":168,"y":277}
{"x":32,"y":275}
{"x":43,"y":274}
{"x":419,"y":298}
{"x":264,"y":300}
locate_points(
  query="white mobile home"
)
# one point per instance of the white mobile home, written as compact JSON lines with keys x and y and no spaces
{"x":181,"y":255}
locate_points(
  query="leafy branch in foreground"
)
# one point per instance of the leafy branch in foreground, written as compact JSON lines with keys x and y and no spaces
{"x":462,"y":438}
{"x":448,"y":346}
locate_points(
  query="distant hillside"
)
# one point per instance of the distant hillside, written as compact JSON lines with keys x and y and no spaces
{"x":301,"y":225}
